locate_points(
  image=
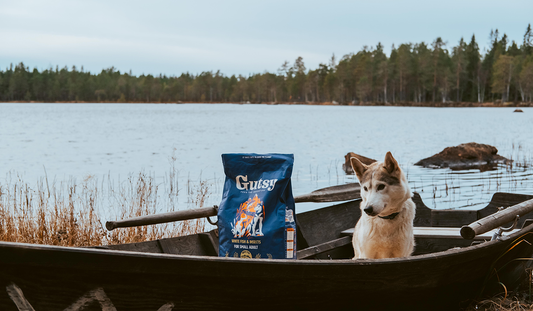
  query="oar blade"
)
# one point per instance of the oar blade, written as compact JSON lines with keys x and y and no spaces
{"x":344,"y":192}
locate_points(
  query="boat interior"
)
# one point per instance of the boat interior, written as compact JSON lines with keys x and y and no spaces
{"x":326,"y":233}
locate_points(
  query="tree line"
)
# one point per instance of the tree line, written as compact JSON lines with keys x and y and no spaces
{"x":418,"y":73}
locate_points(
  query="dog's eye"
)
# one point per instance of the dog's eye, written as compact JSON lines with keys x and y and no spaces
{"x":381,"y":187}
{"x":366,"y":189}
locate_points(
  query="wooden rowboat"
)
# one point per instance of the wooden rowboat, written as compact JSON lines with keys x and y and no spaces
{"x":446,"y":271}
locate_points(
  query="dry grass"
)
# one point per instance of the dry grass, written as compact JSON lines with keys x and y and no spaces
{"x":73,"y":214}
{"x":519,"y":300}
{"x":514,"y":303}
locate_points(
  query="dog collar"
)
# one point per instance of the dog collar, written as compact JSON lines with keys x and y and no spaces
{"x":391,"y":216}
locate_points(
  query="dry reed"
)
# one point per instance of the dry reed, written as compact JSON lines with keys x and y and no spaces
{"x":73,"y":214}
{"x":514,"y":303}
{"x":519,"y":300}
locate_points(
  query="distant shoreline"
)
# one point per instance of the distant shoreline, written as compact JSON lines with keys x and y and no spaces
{"x":496,"y":104}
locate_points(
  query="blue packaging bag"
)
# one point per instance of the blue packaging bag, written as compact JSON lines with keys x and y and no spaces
{"x":256,"y":215}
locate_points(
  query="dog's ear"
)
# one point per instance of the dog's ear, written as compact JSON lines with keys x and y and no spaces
{"x":358,"y":167}
{"x":390,"y":163}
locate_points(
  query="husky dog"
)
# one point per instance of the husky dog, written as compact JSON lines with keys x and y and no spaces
{"x":385,"y":229}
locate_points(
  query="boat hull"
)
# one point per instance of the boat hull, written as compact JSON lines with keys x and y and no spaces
{"x":61,"y":278}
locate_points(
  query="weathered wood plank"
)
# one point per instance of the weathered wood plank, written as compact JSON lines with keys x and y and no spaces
{"x":201,"y":244}
{"x":210,"y":242}
{"x":144,"y":247}
{"x":324,"y":247}
{"x":321,"y":226}
{"x":452,"y":218}
{"x":423,"y":213}
{"x":442,"y":233}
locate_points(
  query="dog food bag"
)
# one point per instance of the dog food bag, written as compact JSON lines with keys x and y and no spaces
{"x":256,"y":215}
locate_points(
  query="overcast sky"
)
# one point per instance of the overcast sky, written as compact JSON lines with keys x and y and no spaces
{"x":235,"y":37}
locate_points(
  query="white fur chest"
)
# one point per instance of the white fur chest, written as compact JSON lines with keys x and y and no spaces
{"x":375,"y":237}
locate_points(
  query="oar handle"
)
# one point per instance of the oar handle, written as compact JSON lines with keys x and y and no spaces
{"x":163,"y":218}
{"x":496,"y":220}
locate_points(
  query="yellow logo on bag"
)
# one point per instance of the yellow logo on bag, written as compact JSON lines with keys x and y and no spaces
{"x":246,"y":254}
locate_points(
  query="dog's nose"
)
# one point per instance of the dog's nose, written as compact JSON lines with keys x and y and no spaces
{"x":369,"y":210}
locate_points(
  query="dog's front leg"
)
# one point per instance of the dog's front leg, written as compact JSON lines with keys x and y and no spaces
{"x":358,"y":253}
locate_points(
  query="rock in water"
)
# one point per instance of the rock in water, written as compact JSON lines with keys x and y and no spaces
{"x":465,"y":156}
{"x":347,"y":167}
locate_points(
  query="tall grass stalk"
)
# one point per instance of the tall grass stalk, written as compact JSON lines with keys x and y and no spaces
{"x":73,"y":213}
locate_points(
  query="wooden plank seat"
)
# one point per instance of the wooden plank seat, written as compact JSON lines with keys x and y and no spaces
{"x":420,"y":234}
{"x":442,"y":232}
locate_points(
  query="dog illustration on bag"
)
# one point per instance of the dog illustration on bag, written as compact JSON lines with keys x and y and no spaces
{"x":249,"y":219}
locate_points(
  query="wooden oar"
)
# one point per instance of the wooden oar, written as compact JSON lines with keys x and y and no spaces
{"x":496,"y":220}
{"x":162,"y":218}
{"x":329,"y":194}
{"x":344,"y":192}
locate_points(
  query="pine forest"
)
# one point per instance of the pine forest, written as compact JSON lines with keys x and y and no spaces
{"x":411,"y":74}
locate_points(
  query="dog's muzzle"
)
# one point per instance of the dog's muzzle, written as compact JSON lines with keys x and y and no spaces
{"x":369,"y":210}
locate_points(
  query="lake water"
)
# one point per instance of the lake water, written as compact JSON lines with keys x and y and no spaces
{"x":114,"y":141}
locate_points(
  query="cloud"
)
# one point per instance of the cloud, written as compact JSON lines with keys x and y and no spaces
{"x":237,"y":37}
{"x":169,"y":54}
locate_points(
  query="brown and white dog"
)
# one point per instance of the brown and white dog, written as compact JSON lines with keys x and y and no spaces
{"x":385,"y":229}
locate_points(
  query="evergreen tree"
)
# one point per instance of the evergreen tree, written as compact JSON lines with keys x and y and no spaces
{"x":526,"y":79}
{"x":527,"y":46}
{"x":422,"y":66}
{"x":381,"y":76}
{"x":472,"y":91}
{"x":438,"y":44}
{"x":503,"y":72}
{"x":460,"y":61}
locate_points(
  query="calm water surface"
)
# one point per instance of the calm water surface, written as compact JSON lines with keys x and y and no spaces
{"x":74,"y":141}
